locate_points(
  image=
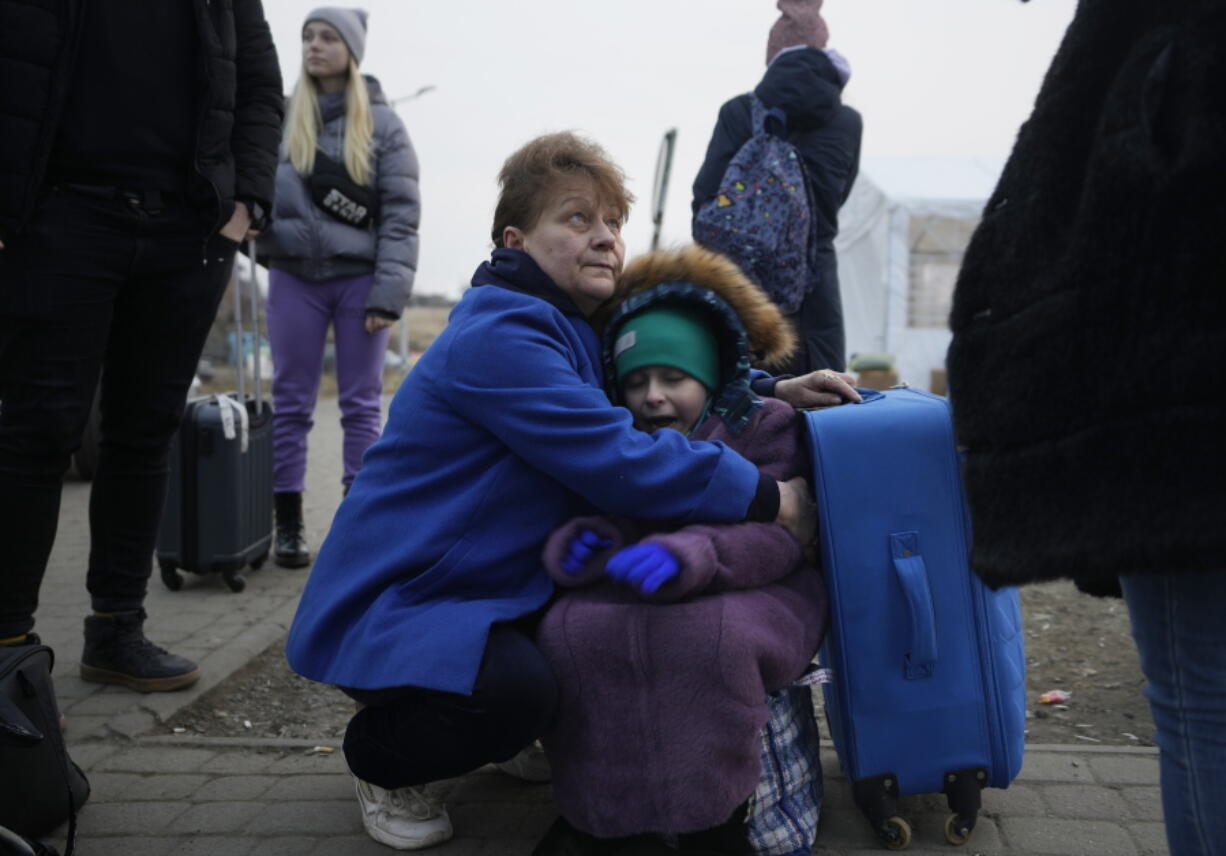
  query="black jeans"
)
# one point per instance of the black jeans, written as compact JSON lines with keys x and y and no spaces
{"x":410,"y":736}
{"x":129,"y":287}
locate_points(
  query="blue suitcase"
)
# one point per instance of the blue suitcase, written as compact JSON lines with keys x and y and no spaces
{"x":928,"y":691}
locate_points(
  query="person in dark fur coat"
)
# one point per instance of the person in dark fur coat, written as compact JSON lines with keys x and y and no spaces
{"x":666,"y":641}
{"x":1088,"y":364}
{"x":805,"y":79}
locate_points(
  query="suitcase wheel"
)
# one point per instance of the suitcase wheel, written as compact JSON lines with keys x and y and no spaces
{"x":877,"y":798}
{"x":963,"y":792}
{"x":258,"y":561}
{"x":958,"y":829}
{"x":171,"y":576}
{"x":234,"y":581}
{"x":895,"y":833}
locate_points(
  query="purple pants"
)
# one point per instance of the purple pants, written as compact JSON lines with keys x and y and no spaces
{"x":299,"y":312}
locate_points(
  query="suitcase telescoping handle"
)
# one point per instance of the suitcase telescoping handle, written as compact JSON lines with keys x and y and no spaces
{"x":921,"y":660}
{"x":255,"y":331}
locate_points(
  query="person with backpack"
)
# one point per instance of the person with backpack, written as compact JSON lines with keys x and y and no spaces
{"x":798,"y":107}
{"x":667,"y":639}
{"x":342,"y":251}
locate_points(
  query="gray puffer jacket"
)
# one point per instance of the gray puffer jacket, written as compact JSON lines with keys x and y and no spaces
{"x":310,"y":244}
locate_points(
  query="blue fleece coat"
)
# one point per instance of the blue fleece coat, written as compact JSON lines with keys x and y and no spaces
{"x":500,"y":434}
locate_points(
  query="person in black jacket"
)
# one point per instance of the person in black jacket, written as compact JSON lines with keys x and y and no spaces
{"x":138,"y":144}
{"x":1087,"y":369}
{"x":805,"y":80}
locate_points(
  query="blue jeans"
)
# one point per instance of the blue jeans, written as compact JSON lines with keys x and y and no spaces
{"x":1180,"y":630}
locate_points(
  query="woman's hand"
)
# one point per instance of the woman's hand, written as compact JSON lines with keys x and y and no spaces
{"x":797,"y":511}
{"x":374,"y":323}
{"x":817,"y":389}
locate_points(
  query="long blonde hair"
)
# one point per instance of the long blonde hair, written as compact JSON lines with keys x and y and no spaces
{"x":304,"y":120}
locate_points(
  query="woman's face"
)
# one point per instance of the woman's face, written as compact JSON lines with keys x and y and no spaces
{"x":578,"y":242}
{"x":323,"y":52}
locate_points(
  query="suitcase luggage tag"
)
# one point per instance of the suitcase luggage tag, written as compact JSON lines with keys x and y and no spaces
{"x":231,"y":410}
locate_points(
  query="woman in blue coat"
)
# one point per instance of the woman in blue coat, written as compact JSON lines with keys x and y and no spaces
{"x":422,"y":601}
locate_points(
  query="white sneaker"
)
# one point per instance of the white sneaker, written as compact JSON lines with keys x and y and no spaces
{"x":404,"y":819}
{"x":530,"y":765}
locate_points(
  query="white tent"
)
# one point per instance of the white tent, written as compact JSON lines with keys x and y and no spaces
{"x":902,"y":233}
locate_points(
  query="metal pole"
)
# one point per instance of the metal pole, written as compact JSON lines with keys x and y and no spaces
{"x":664,"y":165}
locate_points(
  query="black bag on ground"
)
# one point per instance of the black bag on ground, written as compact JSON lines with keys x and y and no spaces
{"x":339,"y":195}
{"x":40,"y":786}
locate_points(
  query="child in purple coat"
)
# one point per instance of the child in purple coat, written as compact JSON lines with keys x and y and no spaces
{"x":666,"y":641}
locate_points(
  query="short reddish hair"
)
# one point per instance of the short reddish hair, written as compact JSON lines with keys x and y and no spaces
{"x":532,"y":174}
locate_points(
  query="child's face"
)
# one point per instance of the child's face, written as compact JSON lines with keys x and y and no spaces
{"x":663,"y":397}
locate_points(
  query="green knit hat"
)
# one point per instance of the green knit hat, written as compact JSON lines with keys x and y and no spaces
{"x":668,"y":336}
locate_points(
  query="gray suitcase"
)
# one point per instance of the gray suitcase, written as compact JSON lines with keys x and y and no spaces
{"x":218,"y":512}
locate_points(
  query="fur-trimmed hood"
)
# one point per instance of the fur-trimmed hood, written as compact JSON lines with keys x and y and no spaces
{"x":750,"y":328}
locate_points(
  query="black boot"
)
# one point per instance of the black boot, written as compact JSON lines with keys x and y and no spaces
{"x":291,"y":549}
{"x":117,"y":652}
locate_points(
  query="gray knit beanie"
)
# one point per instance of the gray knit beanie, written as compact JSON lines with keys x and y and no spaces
{"x":350,"y":23}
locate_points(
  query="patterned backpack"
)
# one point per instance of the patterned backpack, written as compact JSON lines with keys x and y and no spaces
{"x":760,"y":216}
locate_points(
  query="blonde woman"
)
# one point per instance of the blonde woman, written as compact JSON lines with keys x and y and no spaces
{"x":342,"y":251}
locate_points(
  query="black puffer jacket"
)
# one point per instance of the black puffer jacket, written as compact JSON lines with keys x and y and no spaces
{"x":826,"y":132}
{"x":1088,"y":364}
{"x":239,"y":127}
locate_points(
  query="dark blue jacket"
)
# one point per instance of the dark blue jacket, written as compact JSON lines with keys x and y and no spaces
{"x":826,"y":132}
{"x":500,"y":434}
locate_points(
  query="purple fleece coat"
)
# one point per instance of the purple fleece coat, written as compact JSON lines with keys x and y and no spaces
{"x":663,"y":697}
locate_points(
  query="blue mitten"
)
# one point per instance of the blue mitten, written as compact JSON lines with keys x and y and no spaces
{"x":582,"y":547}
{"x":645,"y":566}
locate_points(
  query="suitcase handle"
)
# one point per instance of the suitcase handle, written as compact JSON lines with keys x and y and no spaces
{"x":921,"y":660}
{"x":255,"y":332}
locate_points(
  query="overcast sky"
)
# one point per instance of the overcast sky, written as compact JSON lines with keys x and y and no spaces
{"x":931,"y":77}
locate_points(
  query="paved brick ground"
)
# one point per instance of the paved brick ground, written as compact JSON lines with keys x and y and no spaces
{"x":156,"y":794}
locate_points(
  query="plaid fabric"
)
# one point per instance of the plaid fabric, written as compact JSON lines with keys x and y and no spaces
{"x":784,"y":810}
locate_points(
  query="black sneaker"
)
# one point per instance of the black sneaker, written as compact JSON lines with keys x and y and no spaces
{"x":117,"y":652}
